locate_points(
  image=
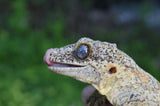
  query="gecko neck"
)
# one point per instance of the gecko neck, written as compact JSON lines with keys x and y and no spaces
{"x":131,"y":87}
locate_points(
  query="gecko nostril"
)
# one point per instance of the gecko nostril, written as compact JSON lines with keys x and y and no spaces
{"x":112,"y":70}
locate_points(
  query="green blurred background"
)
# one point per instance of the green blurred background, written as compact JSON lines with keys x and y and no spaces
{"x":29,"y":27}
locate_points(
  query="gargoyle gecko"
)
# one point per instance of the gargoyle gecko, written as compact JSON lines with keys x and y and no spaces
{"x":112,"y":72}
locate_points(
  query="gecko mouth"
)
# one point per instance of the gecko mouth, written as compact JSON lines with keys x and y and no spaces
{"x":63,"y":67}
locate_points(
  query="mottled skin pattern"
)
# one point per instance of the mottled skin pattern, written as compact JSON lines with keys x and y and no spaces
{"x":130,"y":85}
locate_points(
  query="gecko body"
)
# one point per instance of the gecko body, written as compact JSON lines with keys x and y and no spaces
{"x":112,"y":72}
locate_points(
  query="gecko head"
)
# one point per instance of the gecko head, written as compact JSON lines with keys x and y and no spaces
{"x":86,"y":60}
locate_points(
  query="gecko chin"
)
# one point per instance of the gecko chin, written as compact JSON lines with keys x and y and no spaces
{"x":76,"y":71}
{"x":70,"y":70}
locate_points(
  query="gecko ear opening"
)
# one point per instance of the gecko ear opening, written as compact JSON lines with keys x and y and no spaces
{"x":112,"y":70}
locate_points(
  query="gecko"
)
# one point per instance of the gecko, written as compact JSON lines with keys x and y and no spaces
{"x":111,"y":71}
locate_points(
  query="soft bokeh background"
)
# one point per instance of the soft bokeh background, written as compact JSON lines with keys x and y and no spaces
{"x":29,"y":27}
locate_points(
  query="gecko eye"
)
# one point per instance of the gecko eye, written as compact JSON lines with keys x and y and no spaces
{"x":82,"y":51}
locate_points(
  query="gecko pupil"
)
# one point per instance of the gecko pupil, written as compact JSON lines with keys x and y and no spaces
{"x":82,"y":51}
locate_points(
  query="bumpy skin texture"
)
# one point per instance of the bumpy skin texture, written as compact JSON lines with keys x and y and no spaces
{"x":128,"y":84}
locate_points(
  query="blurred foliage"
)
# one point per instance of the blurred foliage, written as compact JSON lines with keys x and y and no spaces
{"x":28,"y":28}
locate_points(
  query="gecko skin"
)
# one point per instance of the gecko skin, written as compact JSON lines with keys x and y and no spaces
{"x":112,"y":72}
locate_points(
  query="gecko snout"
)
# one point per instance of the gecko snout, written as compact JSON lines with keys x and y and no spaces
{"x":47,"y":57}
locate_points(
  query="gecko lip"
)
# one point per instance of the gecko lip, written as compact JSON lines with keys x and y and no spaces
{"x":56,"y":66}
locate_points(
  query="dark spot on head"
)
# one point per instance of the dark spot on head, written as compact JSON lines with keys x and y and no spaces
{"x":106,"y":52}
{"x":112,"y":70}
{"x":131,"y":96}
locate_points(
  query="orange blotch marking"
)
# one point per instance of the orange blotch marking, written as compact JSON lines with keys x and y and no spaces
{"x":129,"y":75}
{"x":122,"y":65}
{"x":138,"y":72}
{"x":143,"y":77}
{"x":127,"y":69}
{"x":155,"y":90}
{"x":134,"y":73}
{"x":139,"y":84}
{"x":146,"y":78}
{"x":143,"y":82}
{"x":149,"y":89}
